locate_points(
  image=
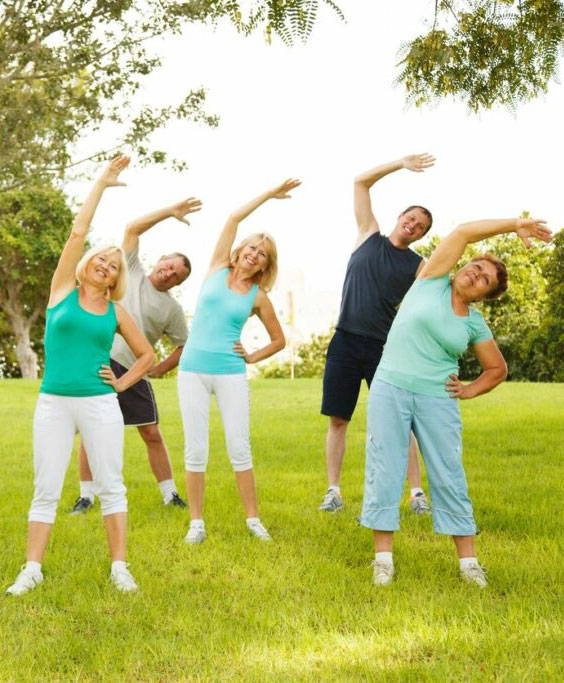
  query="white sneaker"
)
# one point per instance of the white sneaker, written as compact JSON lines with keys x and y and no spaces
{"x":332,"y":501}
{"x":122,"y":580}
{"x":419,"y":504}
{"x":473,"y":573}
{"x":25,"y":582}
{"x":383,"y":573}
{"x":257,"y":530}
{"x":196,"y":534}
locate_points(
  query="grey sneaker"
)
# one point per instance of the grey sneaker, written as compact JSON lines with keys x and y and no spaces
{"x":257,"y":530}
{"x":332,"y":501}
{"x":383,"y":573}
{"x":419,"y":504}
{"x":196,"y":534}
{"x":26,"y":581}
{"x":473,"y":573}
{"x":123,"y":581}
{"x":81,"y":505}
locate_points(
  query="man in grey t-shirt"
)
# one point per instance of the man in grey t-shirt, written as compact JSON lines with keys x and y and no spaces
{"x":157,"y":314}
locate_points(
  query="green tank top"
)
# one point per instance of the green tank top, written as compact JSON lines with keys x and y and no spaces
{"x":77,"y":343}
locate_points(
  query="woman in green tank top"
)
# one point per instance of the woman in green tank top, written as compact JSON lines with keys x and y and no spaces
{"x":78,"y":392}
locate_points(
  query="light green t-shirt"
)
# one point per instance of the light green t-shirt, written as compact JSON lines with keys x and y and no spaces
{"x":427,"y":338}
{"x":155,"y":313}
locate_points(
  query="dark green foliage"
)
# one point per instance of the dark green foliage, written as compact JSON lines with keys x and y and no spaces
{"x":485,"y":52}
{"x":34,"y":225}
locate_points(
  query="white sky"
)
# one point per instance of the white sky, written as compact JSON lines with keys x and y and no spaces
{"x":324,"y":112}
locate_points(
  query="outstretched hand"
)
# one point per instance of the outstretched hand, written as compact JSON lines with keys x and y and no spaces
{"x":185,"y":207}
{"x":281,"y":192}
{"x":418,"y":162}
{"x":111,"y":173}
{"x":532,"y":227}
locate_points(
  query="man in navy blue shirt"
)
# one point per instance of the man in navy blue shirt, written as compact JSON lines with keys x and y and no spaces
{"x":379,"y":273}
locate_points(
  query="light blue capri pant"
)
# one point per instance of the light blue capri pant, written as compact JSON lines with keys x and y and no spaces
{"x":392,"y":414}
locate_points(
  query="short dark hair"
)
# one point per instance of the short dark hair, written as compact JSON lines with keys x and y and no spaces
{"x":425,"y":211}
{"x":501,"y":272}
{"x":184,"y":258}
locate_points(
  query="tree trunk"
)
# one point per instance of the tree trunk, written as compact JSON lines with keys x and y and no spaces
{"x":27,"y":358}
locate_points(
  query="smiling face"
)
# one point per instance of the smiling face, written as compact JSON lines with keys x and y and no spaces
{"x":411,"y":226}
{"x":103,"y":269}
{"x":169,"y":272}
{"x":477,"y":280}
{"x":253,"y":257}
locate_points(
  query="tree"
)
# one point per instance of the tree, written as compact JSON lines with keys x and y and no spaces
{"x":310,"y":361}
{"x":34,"y":225}
{"x":547,"y":347}
{"x":485,"y":52}
{"x":67,"y":67}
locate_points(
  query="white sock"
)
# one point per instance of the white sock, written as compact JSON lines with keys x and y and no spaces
{"x":34,"y":567}
{"x":337,"y":489}
{"x":197,"y":523}
{"x":118,"y":564}
{"x":87,"y":490}
{"x":385,"y":558}
{"x":467,"y":562}
{"x":167,"y":488}
{"x":252,"y":520}
{"x":415,"y":491}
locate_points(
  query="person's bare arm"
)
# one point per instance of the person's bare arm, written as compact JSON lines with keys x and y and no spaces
{"x":64,"y":279}
{"x":365,"y":219}
{"x":140,"y":225}
{"x":138,"y":343}
{"x":222,"y":251}
{"x":494,"y":372}
{"x":167,"y":364}
{"x":265,"y":311}
{"x":449,"y":251}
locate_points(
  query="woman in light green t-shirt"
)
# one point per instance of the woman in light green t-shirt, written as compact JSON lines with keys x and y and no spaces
{"x":416,"y":381}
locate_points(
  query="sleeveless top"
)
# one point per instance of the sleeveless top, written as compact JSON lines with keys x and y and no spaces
{"x":77,"y":343}
{"x":427,"y":339}
{"x":217,"y":324}
{"x":377,"y":278}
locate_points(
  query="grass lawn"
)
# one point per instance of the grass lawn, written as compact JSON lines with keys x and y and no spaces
{"x":303,"y":607}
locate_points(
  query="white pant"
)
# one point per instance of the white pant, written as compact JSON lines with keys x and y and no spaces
{"x":55,"y":423}
{"x":232,"y":395}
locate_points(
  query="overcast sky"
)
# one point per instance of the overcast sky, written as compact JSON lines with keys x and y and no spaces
{"x":324,"y":112}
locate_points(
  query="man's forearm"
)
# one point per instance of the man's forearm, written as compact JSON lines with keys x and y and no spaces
{"x":167,"y":364}
{"x":140,"y":225}
{"x":368,"y":178}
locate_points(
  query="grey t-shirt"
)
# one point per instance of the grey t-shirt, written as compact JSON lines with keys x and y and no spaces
{"x":155,"y":313}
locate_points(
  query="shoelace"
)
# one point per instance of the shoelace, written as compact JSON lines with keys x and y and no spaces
{"x":383,"y":569}
{"x":25,"y":579}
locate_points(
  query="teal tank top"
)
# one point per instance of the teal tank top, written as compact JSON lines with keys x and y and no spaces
{"x":77,"y":344}
{"x":217,"y":324}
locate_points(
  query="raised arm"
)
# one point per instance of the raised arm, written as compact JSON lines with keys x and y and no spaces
{"x":365,"y":219}
{"x":140,"y":225}
{"x":265,"y":311}
{"x":449,"y":251}
{"x":64,"y":276}
{"x":222,"y":252}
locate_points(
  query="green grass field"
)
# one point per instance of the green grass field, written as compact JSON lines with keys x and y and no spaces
{"x":303,"y":607}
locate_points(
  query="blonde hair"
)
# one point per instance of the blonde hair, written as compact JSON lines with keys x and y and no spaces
{"x":116,"y":292}
{"x":266,"y":278}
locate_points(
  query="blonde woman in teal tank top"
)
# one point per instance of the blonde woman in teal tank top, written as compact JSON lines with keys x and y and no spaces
{"x":214,"y":361}
{"x":78,"y":392}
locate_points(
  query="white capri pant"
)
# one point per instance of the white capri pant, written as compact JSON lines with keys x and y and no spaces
{"x":55,"y":423}
{"x":232,"y":395}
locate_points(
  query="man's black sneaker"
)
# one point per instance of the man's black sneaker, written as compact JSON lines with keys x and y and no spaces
{"x":81,"y":505}
{"x":176,"y":501}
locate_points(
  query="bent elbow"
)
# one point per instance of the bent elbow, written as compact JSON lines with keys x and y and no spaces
{"x":281,"y":343}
